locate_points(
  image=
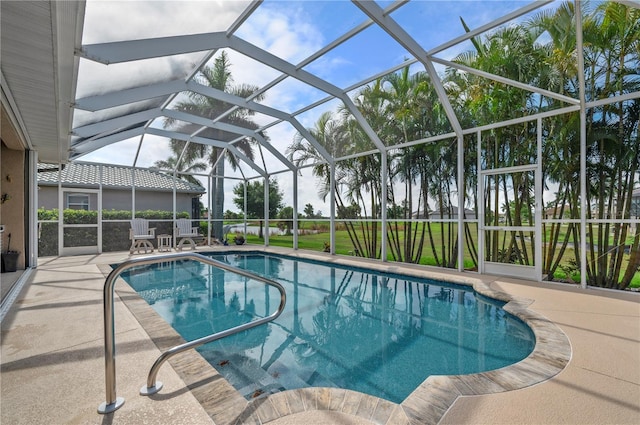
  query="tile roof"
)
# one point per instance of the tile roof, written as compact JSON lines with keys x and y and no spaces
{"x":81,"y":174}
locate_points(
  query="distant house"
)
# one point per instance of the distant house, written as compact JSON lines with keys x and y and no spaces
{"x":450,"y":214}
{"x":554,"y":212}
{"x":82,"y":183}
{"x":635,"y":204}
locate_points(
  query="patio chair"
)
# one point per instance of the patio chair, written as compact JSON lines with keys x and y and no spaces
{"x":141,"y":235}
{"x":185,"y":233}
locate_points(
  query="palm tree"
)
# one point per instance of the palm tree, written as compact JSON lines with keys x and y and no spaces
{"x":611,"y":48}
{"x":218,"y":77}
{"x":561,"y":149}
{"x":514,"y":53}
{"x":184,"y":167}
{"x":403,"y":95}
{"x":614,"y":148}
{"x":332,"y":134}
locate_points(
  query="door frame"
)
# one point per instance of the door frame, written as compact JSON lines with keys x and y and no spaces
{"x":516,"y":270}
{"x":79,"y":250}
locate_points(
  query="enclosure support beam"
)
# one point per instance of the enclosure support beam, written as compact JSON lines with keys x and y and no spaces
{"x":245,"y":208}
{"x":332,"y":201}
{"x":539,"y":204}
{"x":295,"y":209}
{"x":383,"y":213}
{"x":461,"y":195}
{"x":99,"y":229}
{"x":583,"y":147}
{"x":32,"y":191}
{"x":373,"y":11}
{"x":266,"y":211}
{"x":175,"y":206}
{"x":480,"y":197}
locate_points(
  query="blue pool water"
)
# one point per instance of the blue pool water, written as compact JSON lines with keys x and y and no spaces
{"x":381,"y":334}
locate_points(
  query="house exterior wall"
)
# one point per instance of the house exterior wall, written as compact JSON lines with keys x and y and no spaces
{"x":12,"y":210}
{"x":148,"y":200}
{"x":121,"y":199}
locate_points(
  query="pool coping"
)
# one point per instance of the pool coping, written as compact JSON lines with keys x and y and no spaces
{"x":427,"y":404}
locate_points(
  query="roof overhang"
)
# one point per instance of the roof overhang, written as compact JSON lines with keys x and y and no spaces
{"x":39,"y":72}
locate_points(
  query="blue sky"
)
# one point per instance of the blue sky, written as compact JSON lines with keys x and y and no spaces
{"x":292,"y":30}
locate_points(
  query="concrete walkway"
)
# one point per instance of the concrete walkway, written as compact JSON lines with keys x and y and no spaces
{"x":52,"y":364}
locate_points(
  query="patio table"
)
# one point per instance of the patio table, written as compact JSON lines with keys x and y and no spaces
{"x":165,"y":243}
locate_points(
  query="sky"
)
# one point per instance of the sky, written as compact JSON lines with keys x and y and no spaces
{"x":291,"y":30}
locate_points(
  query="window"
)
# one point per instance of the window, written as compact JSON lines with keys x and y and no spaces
{"x":78,"y":202}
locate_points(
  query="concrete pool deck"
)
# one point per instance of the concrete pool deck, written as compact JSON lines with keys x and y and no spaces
{"x":52,"y":362}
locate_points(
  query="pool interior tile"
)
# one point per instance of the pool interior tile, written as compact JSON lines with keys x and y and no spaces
{"x":427,"y":404}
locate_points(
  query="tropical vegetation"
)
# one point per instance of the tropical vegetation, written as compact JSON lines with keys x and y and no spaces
{"x":423,"y":183}
{"x":187,"y":157}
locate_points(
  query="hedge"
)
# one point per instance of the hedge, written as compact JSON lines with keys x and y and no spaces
{"x":115,"y":236}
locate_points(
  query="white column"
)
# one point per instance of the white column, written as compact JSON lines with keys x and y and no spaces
{"x":583,"y":147}
{"x":32,"y":255}
{"x":332,"y":200}
{"x":295,"y":209}
{"x":266,"y":211}
{"x":461,"y":195}
{"x":539,"y":205}
{"x":383,"y":205}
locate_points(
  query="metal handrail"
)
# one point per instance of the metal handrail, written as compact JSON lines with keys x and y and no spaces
{"x":113,"y":402}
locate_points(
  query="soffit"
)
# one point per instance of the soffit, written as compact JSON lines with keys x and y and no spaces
{"x":37,"y":62}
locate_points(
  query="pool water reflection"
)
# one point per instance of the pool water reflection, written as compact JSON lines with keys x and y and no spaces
{"x":381,"y":334}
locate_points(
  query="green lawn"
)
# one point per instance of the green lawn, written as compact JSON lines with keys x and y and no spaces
{"x":316,"y":242}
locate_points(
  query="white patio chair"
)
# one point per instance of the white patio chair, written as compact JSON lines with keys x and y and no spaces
{"x":185,"y":232}
{"x":141,"y":235}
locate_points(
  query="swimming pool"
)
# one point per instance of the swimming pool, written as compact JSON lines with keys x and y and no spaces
{"x":381,"y":334}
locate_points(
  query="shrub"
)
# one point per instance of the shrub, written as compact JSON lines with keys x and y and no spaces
{"x":48,"y":239}
{"x":115,"y":235}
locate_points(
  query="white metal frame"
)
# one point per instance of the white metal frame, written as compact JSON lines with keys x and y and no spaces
{"x":516,"y":270}
{"x":104,"y":133}
{"x":508,"y":269}
{"x":85,"y":249}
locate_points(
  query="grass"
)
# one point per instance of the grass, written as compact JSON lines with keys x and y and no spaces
{"x":317,"y":241}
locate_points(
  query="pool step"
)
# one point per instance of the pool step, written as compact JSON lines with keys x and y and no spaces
{"x":252,"y":381}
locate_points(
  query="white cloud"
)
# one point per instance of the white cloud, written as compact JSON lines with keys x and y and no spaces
{"x":287,"y":32}
{"x":110,"y":21}
{"x":107,"y":21}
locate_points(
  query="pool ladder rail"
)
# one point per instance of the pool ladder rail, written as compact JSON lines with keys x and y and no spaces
{"x":113,"y":402}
